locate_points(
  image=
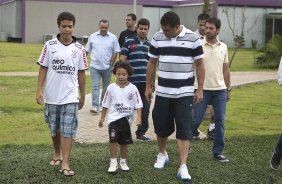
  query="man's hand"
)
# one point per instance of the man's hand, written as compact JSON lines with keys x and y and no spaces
{"x":198,"y":97}
{"x":101,"y":122}
{"x":228,"y":95}
{"x":138,"y":122}
{"x":149,"y":94}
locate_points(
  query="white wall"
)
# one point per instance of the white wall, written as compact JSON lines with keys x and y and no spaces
{"x":154,"y":14}
{"x":189,"y":15}
{"x":41,"y":17}
{"x":10,"y":22}
{"x":254,"y":24}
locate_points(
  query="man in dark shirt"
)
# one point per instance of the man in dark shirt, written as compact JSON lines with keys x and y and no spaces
{"x":135,"y":50}
{"x":130,"y":31}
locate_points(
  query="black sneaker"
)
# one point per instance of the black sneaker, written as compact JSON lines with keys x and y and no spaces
{"x":210,"y":134}
{"x":143,"y":138}
{"x":220,"y":158}
{"x":274,"y":162}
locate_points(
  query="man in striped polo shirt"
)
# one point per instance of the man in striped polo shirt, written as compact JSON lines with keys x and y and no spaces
{"x":135,"y":50}
{"x":175,"y":49}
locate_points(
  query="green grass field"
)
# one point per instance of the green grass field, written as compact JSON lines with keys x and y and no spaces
{"x":249,"y":163}
{"x":253,"y":124}
{"x":15,"y":57}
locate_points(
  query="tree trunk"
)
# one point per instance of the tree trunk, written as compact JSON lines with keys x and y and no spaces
{"x":233,"y":55}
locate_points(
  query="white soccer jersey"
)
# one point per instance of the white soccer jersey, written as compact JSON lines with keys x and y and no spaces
{"x":63,"y":63}
{"x":121,"y":102}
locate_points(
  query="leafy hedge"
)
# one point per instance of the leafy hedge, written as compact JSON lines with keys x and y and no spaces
{"x":271,"y":54}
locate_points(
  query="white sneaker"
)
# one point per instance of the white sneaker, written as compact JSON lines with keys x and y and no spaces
{"x":113,"y":167}
{"x":123,"y":166}
{"x":94,"y":110}
{"x":183,"y":173}
{"x":162,"y":160}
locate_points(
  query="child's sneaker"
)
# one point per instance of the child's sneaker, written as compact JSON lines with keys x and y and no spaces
{"x":123,"y":165}
{"x":162,"y":160}
{"x":183,"y":173}
{"x":113,"y":167}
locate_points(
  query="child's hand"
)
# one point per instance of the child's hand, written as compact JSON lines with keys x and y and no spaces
{"x":101,"y":123}
{"x":138,"y":122}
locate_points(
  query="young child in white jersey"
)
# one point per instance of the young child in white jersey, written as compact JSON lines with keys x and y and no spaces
{"x":121,"y":99}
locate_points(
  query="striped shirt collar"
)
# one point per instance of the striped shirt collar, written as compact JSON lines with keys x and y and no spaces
{"x":183,"y":31}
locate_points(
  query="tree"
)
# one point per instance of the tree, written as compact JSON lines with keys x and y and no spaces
{"x":207,"y":8}
{"x":238,"y":36}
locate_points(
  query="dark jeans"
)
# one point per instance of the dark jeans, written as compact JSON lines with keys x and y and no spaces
{"x":142,"y":129}
{"x":278,"y":148}
{"x":217,"y":99}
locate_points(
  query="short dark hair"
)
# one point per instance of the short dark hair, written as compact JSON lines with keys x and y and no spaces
{"x":215,"y":21}
{"x":203,"y":16}
{"x":65,"y":16}
{"x":132,"y":15}
{"x":170,"y":18}
{"x":125,"y":65}
{"x":104,"y":21}
{"x":144,"y":22}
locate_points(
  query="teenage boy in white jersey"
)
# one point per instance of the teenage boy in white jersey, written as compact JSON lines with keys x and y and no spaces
{"x":62,"y":68}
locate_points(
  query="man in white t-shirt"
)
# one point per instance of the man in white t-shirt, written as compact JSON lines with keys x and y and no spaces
{"x":62,"y":68}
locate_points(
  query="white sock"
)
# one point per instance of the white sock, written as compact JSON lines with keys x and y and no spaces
{"x":122,"y":160}
{"x":212,"y":126}
{"x":113,"y":159}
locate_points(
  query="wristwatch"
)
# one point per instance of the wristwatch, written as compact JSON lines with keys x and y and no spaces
{"x":229,"y":89}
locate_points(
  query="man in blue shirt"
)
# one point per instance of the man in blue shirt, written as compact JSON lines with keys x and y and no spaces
{"x":135,"y":50}
{"x":104,"y":48}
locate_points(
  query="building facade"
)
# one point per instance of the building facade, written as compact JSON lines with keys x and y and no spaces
{"x":34,"y":21}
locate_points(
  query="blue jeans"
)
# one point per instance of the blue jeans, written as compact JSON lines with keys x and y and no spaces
{"x":142,"y":129}
{"x":278,"y":148}
{"x":95,"y":84}
{"x":218,"y":100}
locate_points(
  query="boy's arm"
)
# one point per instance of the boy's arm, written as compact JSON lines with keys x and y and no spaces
{"x":103,"y":115}
{"x":81,"y":82}
{"x":41,"y":80}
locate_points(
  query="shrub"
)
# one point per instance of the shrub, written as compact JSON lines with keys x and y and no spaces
{"x":271,"y":54}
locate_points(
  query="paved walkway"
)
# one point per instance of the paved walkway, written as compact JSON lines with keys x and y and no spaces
{"x":89,"y":132}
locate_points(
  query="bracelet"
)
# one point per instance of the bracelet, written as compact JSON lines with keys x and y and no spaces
{"x":229,"y":89}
